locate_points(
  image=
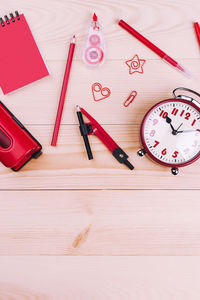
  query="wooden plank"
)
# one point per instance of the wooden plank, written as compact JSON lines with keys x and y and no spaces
{"x":99,"y":223}
{"x":168,"y":24}
{"x":84,"y":222}
{"x":67,"y":167}
{"x":100,"y":278}
{"x":37,"y":104}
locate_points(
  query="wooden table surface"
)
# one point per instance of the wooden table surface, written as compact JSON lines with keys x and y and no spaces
{"x":93,"y":230}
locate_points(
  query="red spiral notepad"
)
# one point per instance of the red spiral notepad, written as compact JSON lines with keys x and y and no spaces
{"x":20,"y":60}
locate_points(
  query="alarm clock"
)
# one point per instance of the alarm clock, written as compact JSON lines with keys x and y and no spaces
{"x":170,"y":131}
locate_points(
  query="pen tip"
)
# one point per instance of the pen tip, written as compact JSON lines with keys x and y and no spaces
{"x":185,"y":72}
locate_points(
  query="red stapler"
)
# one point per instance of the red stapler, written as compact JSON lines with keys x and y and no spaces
{"x":17,"y":145}
{"x":94,"y":128}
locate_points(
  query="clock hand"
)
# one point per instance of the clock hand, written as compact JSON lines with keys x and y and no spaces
{"x":168,"y":120}
{"x":188,"y":130}
{"x":179,"y":127}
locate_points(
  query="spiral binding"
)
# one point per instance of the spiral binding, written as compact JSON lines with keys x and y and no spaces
{"x":7,"y":20}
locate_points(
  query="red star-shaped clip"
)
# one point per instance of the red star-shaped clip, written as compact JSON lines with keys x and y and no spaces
{"x":135,"y":65}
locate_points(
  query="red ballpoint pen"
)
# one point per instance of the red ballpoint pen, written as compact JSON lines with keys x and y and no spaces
{"x":94,"y":128}
{"x":154,"y":48}
{"x":63,"y":92}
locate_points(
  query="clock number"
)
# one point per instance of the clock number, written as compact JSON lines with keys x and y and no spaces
{"x":164,"y":151}
{"x":175,"y":154}
{"x":195,"y":144}
{"x":156,"y":144}
{"x":187,"y":115}
{"x":186,"y":150}
{"x":174,"y":111}
{"x":163,"y":114}
{"x":152,"y":133}
{"x":193,"y":122}
{"x":155,"y":121}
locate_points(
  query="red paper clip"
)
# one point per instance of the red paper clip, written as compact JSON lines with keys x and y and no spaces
{"x":130,"y":98}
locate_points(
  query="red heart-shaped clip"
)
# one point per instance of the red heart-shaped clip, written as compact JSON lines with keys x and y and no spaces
{"x":100,"y":93}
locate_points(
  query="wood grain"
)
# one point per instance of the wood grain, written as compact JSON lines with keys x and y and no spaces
{"x":66,"y":209}
{"x":67,"y":166}
{"x":37,"y":104}
{"x":169,"y":24}
{"x":99,"y":278}
{"x":100,"y":223}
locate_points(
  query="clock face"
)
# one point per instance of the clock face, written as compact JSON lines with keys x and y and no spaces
{"x":171,"y":132}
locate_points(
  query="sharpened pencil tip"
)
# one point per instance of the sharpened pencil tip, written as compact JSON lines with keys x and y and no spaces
{"x":78,"y":108}
{"x":74,"y":39}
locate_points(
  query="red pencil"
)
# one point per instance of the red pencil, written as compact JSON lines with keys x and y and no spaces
{"x":153,"y":47}
{"x":63,"y":92}
{"x":197,"y":30}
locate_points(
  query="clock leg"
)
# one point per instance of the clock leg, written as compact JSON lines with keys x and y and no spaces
{"x":141,"y":152}
{"x":175,"y":171}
